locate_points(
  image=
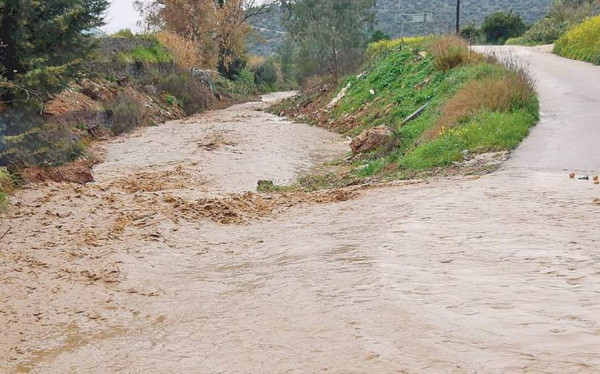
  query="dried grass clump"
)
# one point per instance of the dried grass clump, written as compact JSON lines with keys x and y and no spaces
{"x":450,"y":51}
{"x":498,"y":94}
{"x":185,"y":52}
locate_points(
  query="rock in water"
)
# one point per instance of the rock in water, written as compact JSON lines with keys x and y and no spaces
{"x":371,"y":139}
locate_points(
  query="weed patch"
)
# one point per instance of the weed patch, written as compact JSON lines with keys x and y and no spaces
{"x":469,"y":105}
{"x":581,"y":42}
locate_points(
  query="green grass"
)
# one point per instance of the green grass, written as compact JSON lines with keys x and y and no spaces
{"x":403,"y":78}
{"x":486,"y":132}
{"x":582,"y":42}
{"x":152,"y":54}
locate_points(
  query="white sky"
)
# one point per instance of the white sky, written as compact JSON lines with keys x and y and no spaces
{"x":121,"y":15}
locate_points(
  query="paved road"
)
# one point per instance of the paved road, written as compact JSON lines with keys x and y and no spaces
{"x":568,"y":135}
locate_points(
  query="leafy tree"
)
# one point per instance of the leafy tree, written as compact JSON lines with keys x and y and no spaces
{"x":471,"y":33}
{"x":500,"y":26}
{"x":378,"y":35}
{"x":42,"y":44}
{"x":218,"y":27}
{"x":330,"y":34}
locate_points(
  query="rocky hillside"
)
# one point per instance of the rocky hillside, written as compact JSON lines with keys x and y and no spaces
{"x":390,"y":14}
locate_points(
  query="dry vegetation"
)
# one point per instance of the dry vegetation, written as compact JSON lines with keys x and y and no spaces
{"x":450,"y":51}
{"x":494,"y":94}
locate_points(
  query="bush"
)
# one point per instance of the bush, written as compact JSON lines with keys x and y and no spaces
{"x":471,"y":33}
{"x":28,"y":140}
{"x":123,"y":33}
{"x":192,"y":95}
{"x":266,"y":75}
{"x":501,"y":26}
{"x":184,"y":51}
{"x":581,"y":42}
{"x":545,"y":31}
{"x":562,"y":15}
{"x":378,"y":36}
{"x":124,"y":113}
{"x":451,"y":51}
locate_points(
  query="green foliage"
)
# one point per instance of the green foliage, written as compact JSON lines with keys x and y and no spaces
{"x":124,"y":33}
{"x":485,"y":132}
{"x":152,"y":54}
{"x":545,"y":31}
{"x":329,"y":36}
{"x":378,"y":36}
{"x":30,"y":140}
{"x":562,"y":15}
{"x":401,"y":78}
{"x":192,"y":95}
{"x":43,"y":44}
{"x":501,"y":26}
{"x":471,"y":33}
{"x":239,"y":89}
{"x":266,"y":75}
{"x":582,"y":42}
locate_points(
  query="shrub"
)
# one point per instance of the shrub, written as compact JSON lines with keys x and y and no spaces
{"x":192,"y":95}
{"x":500,"y":26}
{"x":451,"y":51}
{"x":378,"y":35}
{"x":28,"y":140}
{"x":123,"y":33}
{"x":511,"y":91}
{"x":563,"y":14}
{"x":124,"y":113}
{"x":266,"y":75}
{"x":545,"y":31}
{"x":581,"y":42}
{"x":471,"y":33}
{"x":184,"y":52}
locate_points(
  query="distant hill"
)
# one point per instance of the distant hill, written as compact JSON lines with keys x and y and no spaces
{"x":390,"y":13}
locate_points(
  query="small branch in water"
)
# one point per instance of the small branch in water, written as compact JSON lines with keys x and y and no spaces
{"x":6,"y":233}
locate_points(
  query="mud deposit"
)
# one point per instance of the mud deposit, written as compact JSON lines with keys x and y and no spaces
{"x":169,"y":264}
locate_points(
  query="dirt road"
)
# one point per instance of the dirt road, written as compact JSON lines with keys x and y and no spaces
{"x":148,"y":270}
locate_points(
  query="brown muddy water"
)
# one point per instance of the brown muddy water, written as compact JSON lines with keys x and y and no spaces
{"x":156,"y":268}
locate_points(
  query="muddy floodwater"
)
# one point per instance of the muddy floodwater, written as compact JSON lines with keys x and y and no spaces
{"x":169,"y":264}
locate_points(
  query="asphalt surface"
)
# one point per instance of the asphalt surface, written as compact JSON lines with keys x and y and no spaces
{"x":568,"y":135}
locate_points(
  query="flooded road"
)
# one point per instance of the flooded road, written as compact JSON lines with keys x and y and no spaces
{"x":155,"y":269}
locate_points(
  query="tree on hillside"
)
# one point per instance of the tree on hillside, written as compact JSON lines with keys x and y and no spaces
{"x":218,"y":27}
{"x":500,"y":26}
{"x":330,"y":34}
{"x":42,"y":44}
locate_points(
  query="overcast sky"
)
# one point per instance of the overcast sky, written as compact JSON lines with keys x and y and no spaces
{"x":121,"y":15}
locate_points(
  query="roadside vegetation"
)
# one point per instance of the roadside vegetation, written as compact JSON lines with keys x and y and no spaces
{"x":55,"y":101}
{"x":562,"y":15}
{"x":582,"y":42}
{"x":470,"y":105}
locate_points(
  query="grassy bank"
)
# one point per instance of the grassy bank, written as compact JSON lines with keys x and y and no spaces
{"x":582,"y":42}
{"x":474,"y":104}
